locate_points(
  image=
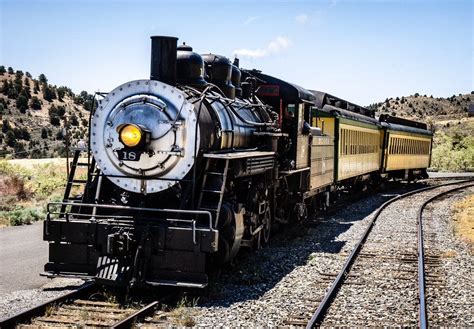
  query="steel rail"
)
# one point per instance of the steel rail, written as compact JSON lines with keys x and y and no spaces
{"x":423,"y":315}
{"x":331,"y":294}
{"x":38,"y":310}
{"x":138,"y":315}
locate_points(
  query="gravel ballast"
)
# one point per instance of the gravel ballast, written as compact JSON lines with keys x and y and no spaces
{"x":21,"y":300}
{"x":283,"y":283}
{"x":286,"y":280}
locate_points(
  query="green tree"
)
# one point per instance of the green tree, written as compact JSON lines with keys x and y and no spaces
{"x":10,"y":138}
{"x":2,"y":70}
{"x":26,"y":92}
{"x":5,"y":126}
{"x":63,"y":91}
{"x":36,"y":88}
{"x":42,"y":79}
{"x":19,"y":149}
{"x":35,"y":103}
{"x":44,"y":133}
{"x":48,"y":93}
{"x":10,"y":70}
{"x":5,"y":87}
{"x":22,"y":103}
{"x":59,"y":135}
{"x":73,"y":120}
{"x":12,"y":91}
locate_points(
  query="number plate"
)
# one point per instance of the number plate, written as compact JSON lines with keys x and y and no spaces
{"x":128,"y":155}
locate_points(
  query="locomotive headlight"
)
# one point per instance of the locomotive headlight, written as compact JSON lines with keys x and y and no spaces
{"x":130,"y":135}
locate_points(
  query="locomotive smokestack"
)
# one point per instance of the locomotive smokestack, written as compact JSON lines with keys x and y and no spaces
{"x":163,"y":59}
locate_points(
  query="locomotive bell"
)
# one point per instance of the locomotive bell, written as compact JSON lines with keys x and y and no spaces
{"x":189,"y":67}
{"x":236,"y":77}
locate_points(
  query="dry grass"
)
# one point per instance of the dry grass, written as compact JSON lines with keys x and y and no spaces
{"x":464,"y":219}
{"x":26,"y":188}
{"x":182,"y":315}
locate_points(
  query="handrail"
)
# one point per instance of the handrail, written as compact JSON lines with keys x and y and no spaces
{"x":118,"y":207}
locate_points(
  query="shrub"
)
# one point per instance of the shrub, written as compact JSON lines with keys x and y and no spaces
{"x":4,"y":88}
{"x":35,"y":103}
{"x":19,"y":149}
{"x":10,"y":138}
{"x":49,"y":93}
{"x":36,"y":88}
{"x":2,"y":70}
{"x":10,"y":70}
{"x":22,"y":216}
{"x":73,"y":120}
{"x":5,"y":125}
{"x":12,"y":91}
{"x":22,"y":103}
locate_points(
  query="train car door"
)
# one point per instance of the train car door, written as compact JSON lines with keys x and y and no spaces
{"x":302,"y":140}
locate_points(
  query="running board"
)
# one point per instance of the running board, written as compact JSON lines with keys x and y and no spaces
{"x":176,"y":284}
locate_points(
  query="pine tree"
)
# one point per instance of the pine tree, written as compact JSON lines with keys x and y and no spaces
{"x":12,"y":91}
{"x":36,"y":88}
{"x":48,"y":93}
{"x":22,"y":103}
{"x":5,"y":87}
{"x":19,"y":149}
{"x":44,"y":133}
{"x":42,"y":79}
{"x":10,"y":138}
{"x":35,"y":103}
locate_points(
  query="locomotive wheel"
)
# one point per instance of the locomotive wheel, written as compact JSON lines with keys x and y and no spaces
{"x":267,"y":225}
{"x":227,"y":230}
{"x":263,"y":236}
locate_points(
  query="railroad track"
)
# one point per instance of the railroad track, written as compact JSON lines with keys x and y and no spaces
{"x":375,"y":266}
{"x":77,"y":309}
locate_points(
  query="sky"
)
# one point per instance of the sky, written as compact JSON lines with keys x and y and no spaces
{"x":361,"y":51}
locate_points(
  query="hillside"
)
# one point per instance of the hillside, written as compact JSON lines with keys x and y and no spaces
{"x":453,"y":147}
{"x":429,"y":108}
{"x":35,"y":113}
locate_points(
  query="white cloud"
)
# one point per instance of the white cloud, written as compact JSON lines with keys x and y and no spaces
{"x":302,"y":19}
{"x":274,"y":47}
{"x":250,"y":20}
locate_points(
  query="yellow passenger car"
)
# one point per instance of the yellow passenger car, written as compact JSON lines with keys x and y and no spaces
{"x":357,"y":147}
{"x":407,"y":149}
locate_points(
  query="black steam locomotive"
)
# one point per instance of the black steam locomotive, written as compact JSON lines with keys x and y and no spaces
{"x":203,"y":159}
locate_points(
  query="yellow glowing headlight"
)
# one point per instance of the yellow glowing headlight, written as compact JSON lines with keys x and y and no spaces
{"x":130,"y":135}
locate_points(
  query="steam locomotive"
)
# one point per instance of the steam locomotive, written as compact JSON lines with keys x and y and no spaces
{"x":203,"y":159}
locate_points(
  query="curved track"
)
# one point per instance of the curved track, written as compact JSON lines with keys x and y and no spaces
{"x":318,"y":316}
